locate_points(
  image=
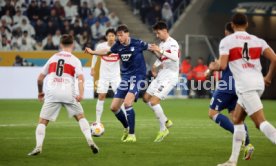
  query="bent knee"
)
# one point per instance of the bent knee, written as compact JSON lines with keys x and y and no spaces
{"x":212,"y":113}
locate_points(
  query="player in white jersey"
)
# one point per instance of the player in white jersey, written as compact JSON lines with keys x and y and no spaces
{"x":167,"y":77}
{"x":62,"y":70}
{"x":243,"y":51}
{"x":109,"y":72}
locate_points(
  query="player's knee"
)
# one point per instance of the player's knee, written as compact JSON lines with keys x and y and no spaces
{"x":79,"y":116}
{"x":101,"y":97}
{"x":127,"y":104}
{"x":212,"y":113}
{"x":114,"y":108}
{"x":145,"y":99}
{"x":154,"y":101}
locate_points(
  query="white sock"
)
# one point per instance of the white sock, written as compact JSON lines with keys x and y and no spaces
{"x":99,"y":110}
{"x":159,"y":113}
{"x":85,"y":128}
{"x":238,"y":137}
{"x":40,"y":135}
{"x":269,"y":131}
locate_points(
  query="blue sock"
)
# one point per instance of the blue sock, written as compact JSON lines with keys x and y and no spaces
{"x":131,"y":119}
{"x":247,"y":140}
{"x":122,"y":118}
{"x":224,"y":122}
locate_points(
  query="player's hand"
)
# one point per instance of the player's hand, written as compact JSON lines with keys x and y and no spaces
{"x":88,"y":50}
{"x":154,"y":47}
{"x":214,"y":66}
{"x":267,"y":81}
{"x":92,"y":72}
{"x":41,"y":97}
{"x":79,"y":98}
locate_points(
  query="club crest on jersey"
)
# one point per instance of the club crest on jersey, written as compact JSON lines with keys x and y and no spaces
{"x":125,"y":57}
{"x":131,"y":48}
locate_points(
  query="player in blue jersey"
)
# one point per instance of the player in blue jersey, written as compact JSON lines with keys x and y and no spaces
{"x":133,"y":73}
{"x":225,"y":97}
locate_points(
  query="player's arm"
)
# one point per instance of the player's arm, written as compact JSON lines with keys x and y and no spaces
{"x":173,"y":55}
{"x":93,"y":64}
{"x":222,"y":62}
{"x":40,"y":80}
{"x":156,"y":64}
{"x":102,"y":52}
{"x":81,"y":88}
{"x":269,"y":54}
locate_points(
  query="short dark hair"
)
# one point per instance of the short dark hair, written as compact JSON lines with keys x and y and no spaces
{"x":160,"y":25}
{"x":122,"y":28}
{"x":239,"y":19}
{"x":111,"y":30}
{"x":66,"y":39}
{"x":228,"y":27}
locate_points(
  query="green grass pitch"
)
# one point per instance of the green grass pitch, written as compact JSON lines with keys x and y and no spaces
{"x":194,"y":139}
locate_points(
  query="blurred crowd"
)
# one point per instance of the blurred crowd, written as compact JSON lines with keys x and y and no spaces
{"x":152,"y":11}
{"x":27,"y":25}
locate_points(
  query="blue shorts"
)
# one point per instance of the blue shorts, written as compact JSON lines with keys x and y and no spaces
{"x":130,"y":85}
{"x":221,"y":101}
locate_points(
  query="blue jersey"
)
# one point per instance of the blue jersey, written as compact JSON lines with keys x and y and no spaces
{"x":226,"y":77}
{"x":132,"y":58}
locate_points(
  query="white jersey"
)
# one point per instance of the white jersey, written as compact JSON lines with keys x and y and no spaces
{"x":170,"y":68}
{"x":244,"y":51}
{"x":110,"y":65}
{"x":61,"y":70}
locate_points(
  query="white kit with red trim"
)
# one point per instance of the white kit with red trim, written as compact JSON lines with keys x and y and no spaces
{"x":62,"y":69}
{"x":110,"y":65}
{"x":170,"y":68}
{"x":244,"y":51}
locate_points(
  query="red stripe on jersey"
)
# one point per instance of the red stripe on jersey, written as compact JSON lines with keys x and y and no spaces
{"x":255,"y":53}
{"x":111,"y":58}
{"x":67,"y":68}
{"x":169,"y":51}
{"x":236,"y":53}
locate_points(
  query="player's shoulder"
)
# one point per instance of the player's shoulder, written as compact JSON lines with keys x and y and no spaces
{"x":136,"y":41}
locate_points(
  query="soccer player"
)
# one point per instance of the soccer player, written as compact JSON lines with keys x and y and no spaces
{"x":226,"y":97}
{"x":243,"y":50}
{"x":109,"y":72}
{"x":62,"y":70}
{"x":133,"y":72}
{"x":167,"y":77}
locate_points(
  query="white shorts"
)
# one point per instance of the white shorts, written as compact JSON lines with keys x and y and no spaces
{"x":161,"y":89}
{"x":250,"y":101}
{"x":50,"y":110}
{"x":103,"y":85}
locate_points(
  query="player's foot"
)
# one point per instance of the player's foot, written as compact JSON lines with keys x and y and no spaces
{"x":169,"y":123}
{"x":248,"y":152}
{"x":130,"y":138}
{"x":35,"y":152}
{"x":125,"y":134}
{"x":94,"y":148}
{"x":228,"y":163}
{"x":161,"y":135}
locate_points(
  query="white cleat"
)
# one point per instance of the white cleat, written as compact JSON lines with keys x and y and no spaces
{"x":228,"y":163}
{"x":35,"y":152}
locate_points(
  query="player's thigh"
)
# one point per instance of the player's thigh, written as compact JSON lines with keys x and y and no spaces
{"x":74,"y":109}
{"x":146,"y":97}
{"x":239,"y":114}
{"x":164,"y":88}
{"x":116,"y":104}
{"x":50,"y":111}
{"x":103,"y":85}
{"x":152,"y":87}
{"x":250,"y":101}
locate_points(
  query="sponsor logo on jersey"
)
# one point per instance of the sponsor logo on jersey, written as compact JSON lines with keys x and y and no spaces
{"x":125,"y":57}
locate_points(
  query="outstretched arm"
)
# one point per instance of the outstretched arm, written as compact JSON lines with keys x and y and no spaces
{"x":103,"y":52}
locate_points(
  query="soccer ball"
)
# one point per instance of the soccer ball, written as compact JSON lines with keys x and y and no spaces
{"x":97,"y":129}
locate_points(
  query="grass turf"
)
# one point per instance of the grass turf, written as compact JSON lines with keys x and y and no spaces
{"x":194,"y":139}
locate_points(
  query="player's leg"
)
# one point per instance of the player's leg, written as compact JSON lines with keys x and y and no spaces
{"x":239,"y":116}
{"x":49,"y":112}
{"x":100,"y":106}
{"x":219,"y":102}
{"x":102,"y":90}
{"x":75,"y":110}
{"x":114,"y":85}
{"x":85,"y":128}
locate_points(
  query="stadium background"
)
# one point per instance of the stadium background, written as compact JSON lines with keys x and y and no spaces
{"x":197,"y":26}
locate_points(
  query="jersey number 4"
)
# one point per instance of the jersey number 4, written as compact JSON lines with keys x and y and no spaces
{"x":245,"y":52}
{"x":60,"y":67}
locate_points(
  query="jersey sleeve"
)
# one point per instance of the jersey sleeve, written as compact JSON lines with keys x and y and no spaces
{"x":264,"y":45}
{"x":144,"y":45}
{"x":223,"y":47}
{"x":114,"y":48}
{"x":78,"y":69}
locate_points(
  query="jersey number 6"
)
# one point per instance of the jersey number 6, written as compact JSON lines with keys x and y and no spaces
{"x":60,"y":67}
